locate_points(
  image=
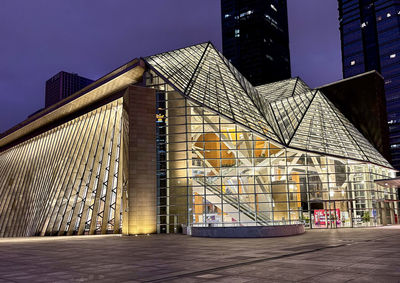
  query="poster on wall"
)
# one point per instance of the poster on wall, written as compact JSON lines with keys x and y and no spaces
{"x":322,"y":217}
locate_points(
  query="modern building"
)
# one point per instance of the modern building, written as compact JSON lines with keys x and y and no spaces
{"x":183,"y":139}
{"x":370,"y":35}
{"x":369,"y":88}
{"x":63,"y":85}
{"x":255,"y":38}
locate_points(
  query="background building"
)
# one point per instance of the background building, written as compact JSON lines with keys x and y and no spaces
{"x":255,"y":38}
{"x":63,"y":85}
{"x":370,"y":35}
{"x":370,"y":116}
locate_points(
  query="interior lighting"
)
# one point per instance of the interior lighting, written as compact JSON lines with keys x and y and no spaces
{"x":274,"y":8}
{"x":393,"y":55}
{"x":331,"y":193}
{"x":237,"y":32}
{"x":352,"y":63}
{"x":246,"y":13}
{"x":342,"y":192}
{"x":388,"y":15}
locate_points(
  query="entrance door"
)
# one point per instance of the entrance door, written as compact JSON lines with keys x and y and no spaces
{"x":332,"y":215}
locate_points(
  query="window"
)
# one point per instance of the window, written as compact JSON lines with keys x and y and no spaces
{"x":246,"y":13}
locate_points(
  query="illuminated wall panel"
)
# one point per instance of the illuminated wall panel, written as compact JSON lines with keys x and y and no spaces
{"x":66,"y":180}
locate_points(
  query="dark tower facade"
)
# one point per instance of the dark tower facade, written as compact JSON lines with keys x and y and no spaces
{"x":63,"y":85}
{"x":370,"y":35}
{"x":255,"y":38}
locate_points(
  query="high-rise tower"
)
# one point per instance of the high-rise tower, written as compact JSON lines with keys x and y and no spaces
{"x":370,"y":35}
{"x":63,"y":85}
{"x":255,"y":38}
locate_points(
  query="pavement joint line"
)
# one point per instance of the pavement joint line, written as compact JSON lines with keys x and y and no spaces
{"x":200,"y":272}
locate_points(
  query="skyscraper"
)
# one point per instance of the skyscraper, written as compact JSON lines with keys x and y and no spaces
{"x":63,"y":85}
{"x":370,"y":35}
{"x":255,"y":38}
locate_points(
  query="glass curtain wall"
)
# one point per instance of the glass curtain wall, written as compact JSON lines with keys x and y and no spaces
{"x":214,"y":172}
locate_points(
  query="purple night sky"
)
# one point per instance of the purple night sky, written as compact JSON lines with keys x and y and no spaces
{"x":92,"y":37}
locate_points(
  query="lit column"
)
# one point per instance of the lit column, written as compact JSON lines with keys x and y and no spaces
{"x":141,"y":199}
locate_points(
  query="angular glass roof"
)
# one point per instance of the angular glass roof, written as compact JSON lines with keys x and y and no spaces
{"x":281,"y":89}
{"x":202,"y":75}
{"x":288,"y":111}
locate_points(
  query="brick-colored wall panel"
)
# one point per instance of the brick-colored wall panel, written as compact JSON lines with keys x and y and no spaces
{"x":142,"y":191}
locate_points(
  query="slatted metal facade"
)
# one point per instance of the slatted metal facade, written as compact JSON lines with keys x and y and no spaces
{"x":67,"y":180}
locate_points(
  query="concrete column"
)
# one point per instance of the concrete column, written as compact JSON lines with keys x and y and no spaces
{"x":140,"y":104}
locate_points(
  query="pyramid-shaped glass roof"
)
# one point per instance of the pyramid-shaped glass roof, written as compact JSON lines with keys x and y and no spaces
{"x":209,"y":80}
{"x":288,"y":111}
{"x":286,"y":88}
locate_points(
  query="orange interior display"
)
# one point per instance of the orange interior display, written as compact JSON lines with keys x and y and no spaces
{"x":198,"y":207}
{"x":215,"y":151}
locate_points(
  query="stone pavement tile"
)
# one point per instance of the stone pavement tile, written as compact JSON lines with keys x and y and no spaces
{"x":377,"y":278}
{"x":332,"y":277}
{"x":188,"y":280}
{"x":269,"y":280}
{"x":214,"y":278}
{"x":326,"y":262}
{"x":246,"y":268}
{"x":277,"y":273}
{"x":235,"y":279}
{"x":209,"y":276}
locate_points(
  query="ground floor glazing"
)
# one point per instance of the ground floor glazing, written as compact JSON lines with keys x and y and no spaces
{"x":213,"y":172}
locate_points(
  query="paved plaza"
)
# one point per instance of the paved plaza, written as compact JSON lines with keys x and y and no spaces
{"x":355,"y":255}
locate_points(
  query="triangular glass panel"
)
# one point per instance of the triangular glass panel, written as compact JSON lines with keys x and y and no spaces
{"x":322,"y":131}
{"x":178,"y":66}
{"x":290,"y":111}
{"x":371,"y":154}
{"x":215,"y":86}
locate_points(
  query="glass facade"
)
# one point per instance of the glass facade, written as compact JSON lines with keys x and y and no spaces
{"x":370,"y":34}
{"x":230,"y":154}
{"x":213,"y":172}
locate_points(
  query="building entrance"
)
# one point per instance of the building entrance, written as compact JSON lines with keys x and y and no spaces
{"x":331,"y":214}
